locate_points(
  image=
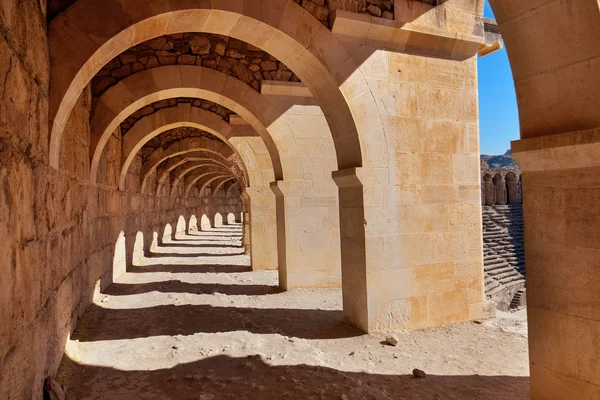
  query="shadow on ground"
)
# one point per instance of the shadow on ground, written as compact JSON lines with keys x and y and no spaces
{"x":115,"y":324}
{"x":192,"y":269}
{"x":175,"y":286}
{"x":224,"y":377}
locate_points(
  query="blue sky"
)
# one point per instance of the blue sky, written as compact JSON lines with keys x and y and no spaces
{"x":498,"y":115}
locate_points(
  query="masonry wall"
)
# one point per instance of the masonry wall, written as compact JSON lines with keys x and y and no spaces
{"x":60,"y":235}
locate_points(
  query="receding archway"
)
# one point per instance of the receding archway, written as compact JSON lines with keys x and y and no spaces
{"x":164,"y":120}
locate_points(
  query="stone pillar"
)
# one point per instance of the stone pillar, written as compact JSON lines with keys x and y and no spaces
{"x":246,"y":227}
{"x":307,"y":247}
{"x":561,"y":209}
{"x":488,"y":188}
{"x":500,"y":187}
{"x":353,"y":234}
{"x":400,"y":268}
{"x":260,"y":220}
{"x":512,"y":189}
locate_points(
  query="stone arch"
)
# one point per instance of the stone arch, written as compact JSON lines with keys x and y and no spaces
{"x":180,"y":172}
{"x":173,"y":162}
{"x":143,"y":88}
{"x":204,"y":222}
{"x":488,"y":190}
{"x":185,"y":146}
{"x":80,"y":46}
{"x":185,"y":165}
{"x":218,"y":220}
{"x":219,"y":185}
{"x":205,"y":178}
{"x":235,"y":185}
{"x":164,"y":120}
{"x":193,"y":224}
{"x":511,"y":188}
{"x":498,"y":189}
{"x":205,"y":169}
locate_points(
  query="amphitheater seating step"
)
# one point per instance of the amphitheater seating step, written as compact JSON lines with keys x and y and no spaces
{"x":503,"y":249}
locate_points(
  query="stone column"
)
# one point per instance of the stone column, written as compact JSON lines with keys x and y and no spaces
{"x":500,"y":187}
{"x":401,"y":269}
{"x":261,"y":224}
{"x":511,"y":188}
{"x":488,"y":192}
{"x":307,"y":247}
{"x":376,"y":286}
{"x":561,"y":209}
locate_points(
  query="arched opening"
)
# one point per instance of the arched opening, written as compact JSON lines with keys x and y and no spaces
{"x":205,"y":223}
{"x":218,"y":221}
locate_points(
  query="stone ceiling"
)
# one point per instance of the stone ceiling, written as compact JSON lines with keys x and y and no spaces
{"x":150,"y":109}
{"x":55,"y":7}
{"x":230,"y":56}
{"x":167,"y":138}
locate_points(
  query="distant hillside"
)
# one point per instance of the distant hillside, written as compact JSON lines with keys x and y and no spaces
{"x":505,"y":160}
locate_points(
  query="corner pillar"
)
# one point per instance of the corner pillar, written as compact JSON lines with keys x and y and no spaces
{"x":561,"y":209}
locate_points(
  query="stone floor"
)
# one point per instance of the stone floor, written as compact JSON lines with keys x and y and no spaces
{"x":193,"y":322}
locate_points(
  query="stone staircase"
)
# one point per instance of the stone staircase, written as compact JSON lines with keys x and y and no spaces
{"x":519,"y":300}
{"x":503,"y":253}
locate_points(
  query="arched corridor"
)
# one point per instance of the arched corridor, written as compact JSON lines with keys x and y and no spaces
{"x":343,"y":136}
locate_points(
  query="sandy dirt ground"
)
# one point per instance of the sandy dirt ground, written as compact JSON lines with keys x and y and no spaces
{"x":193,"y":322}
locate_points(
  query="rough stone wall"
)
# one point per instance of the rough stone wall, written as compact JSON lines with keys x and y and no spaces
{"x":165,"y":139}
{"x":221,"y":111}
{"x":228,"y":55}
{"x":324,"y":10}
{"x":59,"y":233}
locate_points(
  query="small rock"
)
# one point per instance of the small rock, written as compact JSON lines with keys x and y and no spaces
{"x":374,"y":10}
{"x":477,"y":322}
{"x":52,"y":390}
{"x":220,"y":49}
{"x":200,"y":45}
{"x":392,"y":340}
{"x":417,"y":373}
{"x":268,"y":66}
{"x":105,"y":299}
